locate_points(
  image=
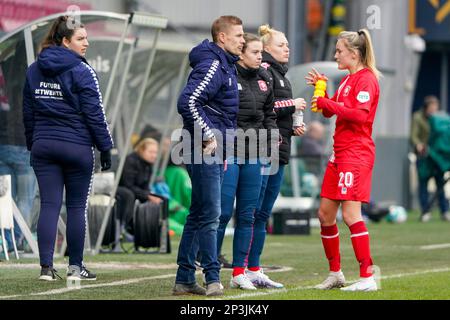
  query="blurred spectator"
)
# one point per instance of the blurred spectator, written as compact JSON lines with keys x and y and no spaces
{"x":150,"y":131}
{"x":176,"y":185}
{"x":135,"y":179}
{"x":310,"y":152}
{"x":426,"y":168}
{"x":312,"y":144}
{"x":180,"y":186}
{"x":14,"y":156}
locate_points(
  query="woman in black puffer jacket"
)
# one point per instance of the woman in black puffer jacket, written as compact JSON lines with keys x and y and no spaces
{"x":275,"y":58}
{"x":242,"y":179}
{"x":135,"y":180}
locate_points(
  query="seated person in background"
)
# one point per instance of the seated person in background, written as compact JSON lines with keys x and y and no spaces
{"x":312,"y":144}
{"x":135,"y":179}
{"x":179,"y":183}
{"x":150,"y":131}
{"x":311,"y":152}
{"x":175,"y":185}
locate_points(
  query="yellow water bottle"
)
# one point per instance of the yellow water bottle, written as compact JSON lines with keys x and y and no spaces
{"x":319,"y":91}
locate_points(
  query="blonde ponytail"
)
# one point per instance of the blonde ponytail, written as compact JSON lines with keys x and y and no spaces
{"x":266,"y":33}
{"x":361,"y":41}
{"x":369,"y":58}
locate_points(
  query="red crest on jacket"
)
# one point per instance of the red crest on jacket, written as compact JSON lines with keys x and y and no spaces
{"x":262,"y":85}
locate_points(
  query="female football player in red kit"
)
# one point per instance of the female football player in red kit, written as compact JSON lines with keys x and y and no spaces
{"x":347,"y":179}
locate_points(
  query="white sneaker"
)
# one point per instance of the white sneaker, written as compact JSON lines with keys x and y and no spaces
{"x":260,"y":280}
{"x":364,"y":284}
{"x":425,"y":217}
{"x":446,"y":217}
{"x":241,"y":282}
{"x":334,"y":280}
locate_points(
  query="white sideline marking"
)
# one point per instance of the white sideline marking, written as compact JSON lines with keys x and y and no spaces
{"x":277,"y":291}
{"x":435,"y":246}
{"x":109,"y":284}
{"x":282,"y":269}
{"x":110,"y":265}
{"x":240,"y":296}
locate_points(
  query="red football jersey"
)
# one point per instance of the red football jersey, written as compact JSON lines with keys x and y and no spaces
{"x":353,"y":141}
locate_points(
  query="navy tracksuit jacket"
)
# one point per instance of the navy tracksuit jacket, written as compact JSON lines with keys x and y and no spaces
{"x":64,"y":119}
{"x":210,"y":99}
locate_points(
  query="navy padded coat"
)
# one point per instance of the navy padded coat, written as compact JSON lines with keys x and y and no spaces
{"x":62,"y":101}
{"x":210,"y":99}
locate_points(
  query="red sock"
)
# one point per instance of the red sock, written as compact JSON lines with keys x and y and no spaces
{"x":254,"y":269}
{"x":238,"y":270}
{"x":360,"y":242}
{"x":330,"y":241}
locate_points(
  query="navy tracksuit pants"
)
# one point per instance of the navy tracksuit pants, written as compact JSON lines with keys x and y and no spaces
{"x":59,"y":164}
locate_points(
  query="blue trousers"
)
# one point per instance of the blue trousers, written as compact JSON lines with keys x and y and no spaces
{"x":200,"y":230}
{"x":243,"y":182}
{"x":60,"y":164}
{"x":270,"y":188}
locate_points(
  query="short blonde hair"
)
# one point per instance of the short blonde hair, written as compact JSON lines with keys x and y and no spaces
{"x":222,"y":24}
{"x":266,"y":33}
{"x":144,"y":144}
{"x":361,"y":42}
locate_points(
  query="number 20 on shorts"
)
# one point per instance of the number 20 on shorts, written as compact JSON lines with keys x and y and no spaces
{"x":345,"y":179}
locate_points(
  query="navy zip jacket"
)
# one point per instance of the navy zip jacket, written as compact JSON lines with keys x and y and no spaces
{"x":210,"y":99}
{"x":62,"y":101}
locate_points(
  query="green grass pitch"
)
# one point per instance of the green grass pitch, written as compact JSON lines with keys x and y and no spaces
{"x":407,"y":269}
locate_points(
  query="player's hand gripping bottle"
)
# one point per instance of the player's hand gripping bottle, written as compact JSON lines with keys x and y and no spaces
{"x":297,"y":119}
{"x":319,"y":91}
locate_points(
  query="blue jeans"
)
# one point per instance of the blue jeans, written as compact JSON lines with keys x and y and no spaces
{"x":15,"y":161}
{"x":270,"y":189}
{"x":200,"y":230}
{"x":424,"y":198}
{"x":242,"y":181}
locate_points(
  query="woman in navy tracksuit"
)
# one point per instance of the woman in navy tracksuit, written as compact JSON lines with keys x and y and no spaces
{"x":64,"y":119}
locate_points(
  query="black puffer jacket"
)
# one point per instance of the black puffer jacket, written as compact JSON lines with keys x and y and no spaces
{"x":136,"y":176}
{"x":282,"y":91}
{"x":255,"y":103}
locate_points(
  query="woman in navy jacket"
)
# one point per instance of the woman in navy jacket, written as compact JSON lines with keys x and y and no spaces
{"x":64,"y":120}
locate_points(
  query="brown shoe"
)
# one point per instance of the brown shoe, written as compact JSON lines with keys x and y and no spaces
{"x":185,"y":289}
{"x":214,"y":289}
{"x":445,"y":216}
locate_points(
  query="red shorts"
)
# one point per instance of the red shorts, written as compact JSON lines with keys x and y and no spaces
{"x":347,"y":181}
